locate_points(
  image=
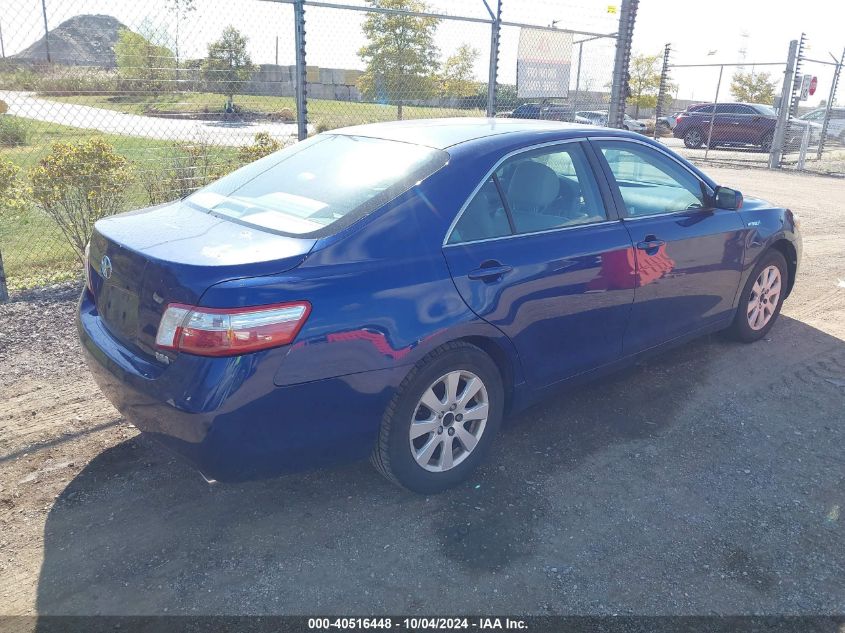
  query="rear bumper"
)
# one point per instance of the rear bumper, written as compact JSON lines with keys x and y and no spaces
{"x":225,"y":415}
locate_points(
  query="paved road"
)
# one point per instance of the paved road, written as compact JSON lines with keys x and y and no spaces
{"x":235,"y":133}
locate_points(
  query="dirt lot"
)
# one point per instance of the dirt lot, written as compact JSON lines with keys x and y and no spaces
{"x":708,"y":480}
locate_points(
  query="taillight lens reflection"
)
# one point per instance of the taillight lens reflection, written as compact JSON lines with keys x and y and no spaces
{"x":228,"y":332}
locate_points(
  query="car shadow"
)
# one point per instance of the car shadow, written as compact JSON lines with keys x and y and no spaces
{"x":139,"y":532}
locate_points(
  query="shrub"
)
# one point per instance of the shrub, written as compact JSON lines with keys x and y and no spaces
{"x":285,"y":114}
{"x":322,"y":126}
{"x":263,"y":145}
{"x":185,"y":168}
{"x":13,"y":131}
{"x":13,"y":194}
{"x":77,"y":184}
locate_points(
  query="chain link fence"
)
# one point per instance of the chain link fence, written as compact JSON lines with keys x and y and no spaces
{"x":110,"y":105}
{"x":731,"y":112}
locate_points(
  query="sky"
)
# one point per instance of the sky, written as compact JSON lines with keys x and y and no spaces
{"x":700,"y":32}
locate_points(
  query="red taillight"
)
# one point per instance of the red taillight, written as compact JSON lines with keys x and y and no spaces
{"x":230,"y":331}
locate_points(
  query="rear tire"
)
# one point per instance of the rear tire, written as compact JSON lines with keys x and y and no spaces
{"x":693,"y":138}
{"x":758,"y":307}
{"x":450,"y":438}
{"x":766,"y":142}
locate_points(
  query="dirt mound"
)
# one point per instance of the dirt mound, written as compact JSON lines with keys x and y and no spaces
{"x":83,"y":40}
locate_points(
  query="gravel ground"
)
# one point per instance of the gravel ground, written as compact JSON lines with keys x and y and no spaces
{"x":709,"y":480}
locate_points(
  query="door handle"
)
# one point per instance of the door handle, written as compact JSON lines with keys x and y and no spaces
{"x":650,"y":244}
{"x":490,"y":273}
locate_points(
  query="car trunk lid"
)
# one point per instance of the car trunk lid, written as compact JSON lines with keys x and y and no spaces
{"x":137,"y":271}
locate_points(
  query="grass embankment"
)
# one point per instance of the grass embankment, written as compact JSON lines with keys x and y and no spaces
{"x":34,"y":250}
{"x":329,"y":113}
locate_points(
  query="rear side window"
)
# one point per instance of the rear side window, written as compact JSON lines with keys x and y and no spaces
{"x":544,"y":189}
{"x":318,"y":186}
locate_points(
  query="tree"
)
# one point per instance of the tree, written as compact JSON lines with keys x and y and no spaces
{"x":753,"y":87}
{"x":401,"y":56}
{"x":228,"y":64}
{"x":142,"y":64}
{"x":456,"y":79}
{"x":644,"y":81}
{"x":180,"y":9}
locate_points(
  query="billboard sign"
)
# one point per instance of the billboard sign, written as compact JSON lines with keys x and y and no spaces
{"x":544,"y":63}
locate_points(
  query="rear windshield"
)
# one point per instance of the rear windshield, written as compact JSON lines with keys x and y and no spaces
{"x":316,"y":187}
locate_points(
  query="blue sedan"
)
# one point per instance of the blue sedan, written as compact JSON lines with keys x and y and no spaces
{"x":394,"y":290}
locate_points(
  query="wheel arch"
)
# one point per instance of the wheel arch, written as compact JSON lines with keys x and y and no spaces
{"x":790,"y":254}
{"x":502,"y":361}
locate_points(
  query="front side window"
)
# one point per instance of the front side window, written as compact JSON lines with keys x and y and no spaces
{"x":318,"y":186}
{"x":544,"y":189}
{"x":651,"y":183}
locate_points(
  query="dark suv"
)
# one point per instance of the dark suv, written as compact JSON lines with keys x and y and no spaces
{"x":733,"y":124}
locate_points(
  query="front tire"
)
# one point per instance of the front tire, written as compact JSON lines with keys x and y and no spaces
{"x":441,"y":423}
{"x":766,"y":142}
{"x":693,"y":139}
{"x":761,"y":298}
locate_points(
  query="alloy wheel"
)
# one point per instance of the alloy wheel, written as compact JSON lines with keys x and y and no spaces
{"x":449,"y":420}
{"x":763,"y":301}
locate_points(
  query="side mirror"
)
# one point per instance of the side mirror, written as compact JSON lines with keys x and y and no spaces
{"x":728,"y":198}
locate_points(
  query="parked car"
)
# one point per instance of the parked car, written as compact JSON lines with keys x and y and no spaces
{"x":733,"y":124}
{"x":668,"y":123}
{"x":836,"y":123}
{"x":395,"y":290}
{"x":599,"y":117}
{"x":545,"y":111}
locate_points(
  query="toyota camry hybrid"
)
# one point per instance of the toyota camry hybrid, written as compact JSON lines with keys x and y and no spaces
{"x":394,"y":290}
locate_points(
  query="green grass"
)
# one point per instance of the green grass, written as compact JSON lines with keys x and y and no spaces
{"x":331,"y":113}
{"x":34,"y":250}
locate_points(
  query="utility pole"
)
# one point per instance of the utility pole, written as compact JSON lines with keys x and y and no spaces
{"x":664,"y":88}
{"x":46,"y":30}
{"x":493,"y":72}
{"x":2,"y":47}
{"x":830,"y":99}
{"x":619,"y":86}
{"x":783,"y":109}
{"x":301,"y":97}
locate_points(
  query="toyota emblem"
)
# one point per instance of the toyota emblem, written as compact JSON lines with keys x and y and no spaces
{"x":105,"y":267}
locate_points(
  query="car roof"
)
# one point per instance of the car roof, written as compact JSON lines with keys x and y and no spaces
{"x":443,"y":133}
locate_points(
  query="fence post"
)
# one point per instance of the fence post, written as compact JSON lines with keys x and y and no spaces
{"x":493,"y":74}
{"x":661,"y":93}
{"x":833,"y":86}
{"x":619,"y":86}
{"x":713,"y":114}
{"x":301,"y":97}
{"x":46,"y":30}
{"x":783,"y":109}
{"x":4,"y":289}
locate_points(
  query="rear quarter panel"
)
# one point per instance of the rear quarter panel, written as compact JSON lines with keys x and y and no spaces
{"x":381,"y":293}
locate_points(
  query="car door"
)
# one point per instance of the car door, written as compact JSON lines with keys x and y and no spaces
{"x":726,"y":125}
{"x":751,"y":125}
{"x":689,"y":253}
{"x":539,"y":252}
